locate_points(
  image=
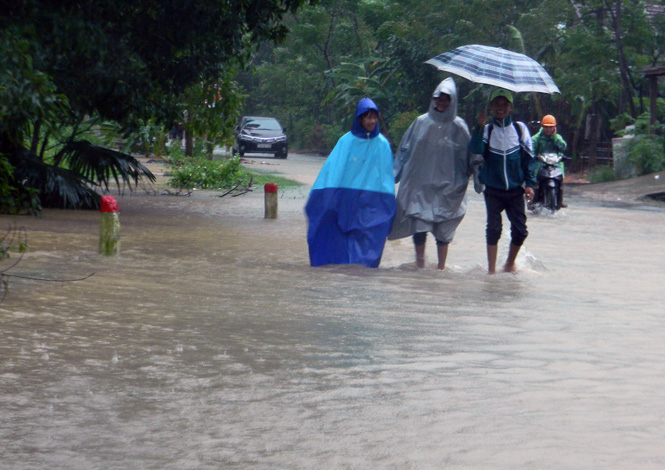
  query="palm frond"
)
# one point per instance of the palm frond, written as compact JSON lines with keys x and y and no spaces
{"x":58,"y":187}
{"x":102,"y":165}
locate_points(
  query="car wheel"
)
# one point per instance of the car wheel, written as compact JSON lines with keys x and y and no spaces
{"x":281,"y":155}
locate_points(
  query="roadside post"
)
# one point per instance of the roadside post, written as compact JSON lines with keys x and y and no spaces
{"x":270,"y":190}
{"x":109,"y":227}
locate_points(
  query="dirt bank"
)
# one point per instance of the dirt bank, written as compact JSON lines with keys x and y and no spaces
{"x":640,"y":191}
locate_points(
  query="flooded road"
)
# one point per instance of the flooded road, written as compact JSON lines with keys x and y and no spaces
{"x":210,"y":343}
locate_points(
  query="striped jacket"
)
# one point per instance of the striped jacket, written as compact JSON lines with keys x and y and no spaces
{"x":509,"y":161}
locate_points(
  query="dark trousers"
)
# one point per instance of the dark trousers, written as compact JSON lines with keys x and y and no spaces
{"x":420,"y":237}
{"x":512,"y":201}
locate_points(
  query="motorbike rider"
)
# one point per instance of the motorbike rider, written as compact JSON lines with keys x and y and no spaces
{"x":548,"y":140}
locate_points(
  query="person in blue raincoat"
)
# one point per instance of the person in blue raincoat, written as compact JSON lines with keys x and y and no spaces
{"x":351,"y":205}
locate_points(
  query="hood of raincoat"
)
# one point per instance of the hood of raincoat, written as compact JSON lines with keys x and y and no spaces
{"x":357,"y":128}
{"x":448,"y":87}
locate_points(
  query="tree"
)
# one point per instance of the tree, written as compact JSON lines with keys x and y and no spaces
{"x":211,"y":110}
{"x":340,"y":49}
{"x":122,"y":61}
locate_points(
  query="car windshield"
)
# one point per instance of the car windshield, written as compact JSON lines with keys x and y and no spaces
{"x":266,"y":124}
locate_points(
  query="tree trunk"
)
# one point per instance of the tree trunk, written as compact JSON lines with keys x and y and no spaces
{"x":591,"y":134}
{"x":35,"y":136}
{"x":653,"y":109}
{"x":623,"y":66}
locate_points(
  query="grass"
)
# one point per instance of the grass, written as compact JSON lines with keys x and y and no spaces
{"x":261,"y":177}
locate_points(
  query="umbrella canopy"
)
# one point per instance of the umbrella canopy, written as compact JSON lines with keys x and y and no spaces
{"x":496,"y":66}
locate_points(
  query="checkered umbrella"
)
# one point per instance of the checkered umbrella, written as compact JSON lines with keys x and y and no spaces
{"x":496,"y":66}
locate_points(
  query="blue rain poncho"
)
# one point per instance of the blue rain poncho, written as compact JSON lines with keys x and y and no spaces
{"x":352,"y":202}
{"x":433,"y":166}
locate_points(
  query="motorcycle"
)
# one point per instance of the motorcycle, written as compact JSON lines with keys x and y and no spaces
{"x":550,"y":179}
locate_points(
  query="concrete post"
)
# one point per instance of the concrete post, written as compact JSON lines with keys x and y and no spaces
{"x":109,"y":227}
{"x":270,"y":190}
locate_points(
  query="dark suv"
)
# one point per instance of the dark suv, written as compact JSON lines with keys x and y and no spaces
{"x":257,"y":134}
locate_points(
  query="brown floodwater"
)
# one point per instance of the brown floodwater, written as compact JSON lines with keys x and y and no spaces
{"x":210,"y":343}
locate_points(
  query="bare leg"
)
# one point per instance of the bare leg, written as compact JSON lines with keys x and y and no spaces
{"x":509,"y":267}
{"x":492,"y":251}
{"x":442,"y":251}
{"x":420,"y":256}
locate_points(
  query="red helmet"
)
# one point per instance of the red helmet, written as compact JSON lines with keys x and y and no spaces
{"x":548,"y":121}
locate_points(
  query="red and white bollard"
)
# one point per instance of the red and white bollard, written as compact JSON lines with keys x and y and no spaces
{"x":109,"y":227}
{"x":270,"y":190}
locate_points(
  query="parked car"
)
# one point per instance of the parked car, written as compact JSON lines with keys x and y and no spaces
{"x":258,"y":134}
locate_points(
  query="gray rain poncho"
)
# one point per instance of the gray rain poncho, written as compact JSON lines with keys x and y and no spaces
{"x":433,"y":166}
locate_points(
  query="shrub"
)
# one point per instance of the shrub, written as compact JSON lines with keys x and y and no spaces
{"x":644,"y":151}
{"x":646,"y":154}
{"x":602,"y":174}
{"x":200,"y":173}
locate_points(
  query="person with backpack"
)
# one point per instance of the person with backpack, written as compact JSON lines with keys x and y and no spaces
{"x":507,"y":173}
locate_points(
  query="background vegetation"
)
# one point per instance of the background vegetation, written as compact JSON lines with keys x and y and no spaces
{"x":71,"y":70}
{"x":341,"y":50}
{"x":84,"y":84}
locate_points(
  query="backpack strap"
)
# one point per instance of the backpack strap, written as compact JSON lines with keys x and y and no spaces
{"x":518,"y":128}
{"x":486,"y":153}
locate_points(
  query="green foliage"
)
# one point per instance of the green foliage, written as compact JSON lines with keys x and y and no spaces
{"x":356,"y":80}
{"x":320,"y":137}
{"x":137,"y":64}
{"x":646,"y":154}
{"x":149,"y":139}
{"x":201,"y":173}
{"x":620,"y":122}
{"x":16,"y":199}
{"x":26,"y":93}
{"x":128,"y":60}
{"x":645,"y":149}
{"x":402,"y":123}
{"x":212,"y":111}
{"x":340,"y":50}
{"x":602,"y":174}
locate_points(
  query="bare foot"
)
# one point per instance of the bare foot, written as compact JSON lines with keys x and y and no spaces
{"x":420,"y":263}
{"x":509,"y":268}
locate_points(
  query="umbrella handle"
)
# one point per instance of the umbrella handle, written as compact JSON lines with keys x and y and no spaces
{"x":485,"y":111}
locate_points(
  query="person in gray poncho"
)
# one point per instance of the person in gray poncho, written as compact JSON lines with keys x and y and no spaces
{"x":433,"y":167}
